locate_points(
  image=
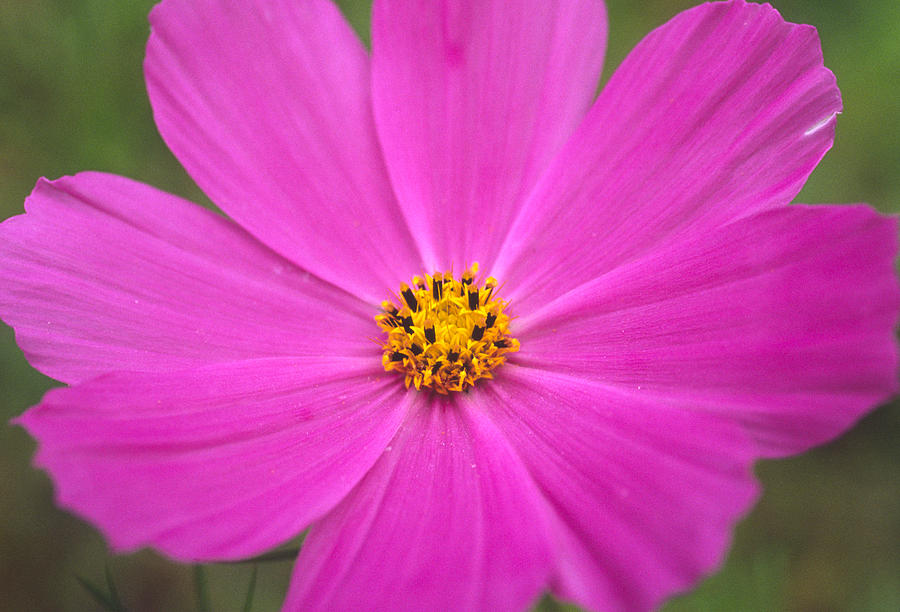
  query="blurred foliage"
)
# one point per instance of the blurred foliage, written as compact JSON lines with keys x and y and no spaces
{"x":824,"y":536}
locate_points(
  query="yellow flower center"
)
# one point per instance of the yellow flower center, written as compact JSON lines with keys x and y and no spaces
{"x":446,"y":334}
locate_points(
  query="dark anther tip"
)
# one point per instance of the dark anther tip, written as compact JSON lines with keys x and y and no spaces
{"x":410,"y":299}
{"x":473,"y":299}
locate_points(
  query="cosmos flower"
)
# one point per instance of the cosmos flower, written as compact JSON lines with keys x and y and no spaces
{"x":579,"y":414}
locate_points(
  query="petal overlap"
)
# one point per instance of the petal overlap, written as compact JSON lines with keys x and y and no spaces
{"x":267,"y":105}
{"x":472,"y":100}
{"x":721,"y":112}
{"x":645,"y":494}
{"x":447,"y":519}
{"x":783,"y":321}
{"x":220,"y":462}
{"x":104,"y":273}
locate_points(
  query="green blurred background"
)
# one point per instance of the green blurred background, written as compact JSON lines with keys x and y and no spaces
{"x":824,"y":536}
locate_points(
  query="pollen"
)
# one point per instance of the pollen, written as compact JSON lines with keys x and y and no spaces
{"x":445,"y":333}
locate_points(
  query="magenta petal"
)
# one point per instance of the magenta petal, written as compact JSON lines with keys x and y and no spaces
{"x":267,"y":104}
{"x":447,"y":519}
{"x":219,"y":462}
{"x":784,"y":321}
{"x":104,"y":274}
{"x":472,"y":100}
{"x":721,"y":112}
{"x":646,"y":494}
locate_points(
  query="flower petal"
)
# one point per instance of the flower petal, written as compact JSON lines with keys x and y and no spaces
{"x":447,"y":519}
{"x":472,"y":100}
{"x":646,"y":495}
{"x":104,"y":274}
{"x":784,"y":321}
{"x":220,"y":462}
{"x":268,"y":107}
{"x":721,"y":112}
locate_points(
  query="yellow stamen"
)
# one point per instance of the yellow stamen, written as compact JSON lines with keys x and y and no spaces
{"x":446,"y":334}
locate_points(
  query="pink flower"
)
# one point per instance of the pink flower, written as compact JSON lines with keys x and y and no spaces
{"x":676,"y":319}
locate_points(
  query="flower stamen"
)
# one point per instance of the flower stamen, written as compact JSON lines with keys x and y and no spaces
{"x":446,"y":334}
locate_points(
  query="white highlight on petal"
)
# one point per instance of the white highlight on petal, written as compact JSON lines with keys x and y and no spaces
{"x":818,"y":126}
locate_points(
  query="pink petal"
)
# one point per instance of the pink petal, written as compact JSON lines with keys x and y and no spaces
{"x":220,"y":462}
{"x":784,"y":321}
{"x":448,"y":519}
{"x":472,"y":101}
{"x":268,"y":107}
{"x":104,"y":273}
{"x":721,"y":112}
{"x":645,"y":494}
